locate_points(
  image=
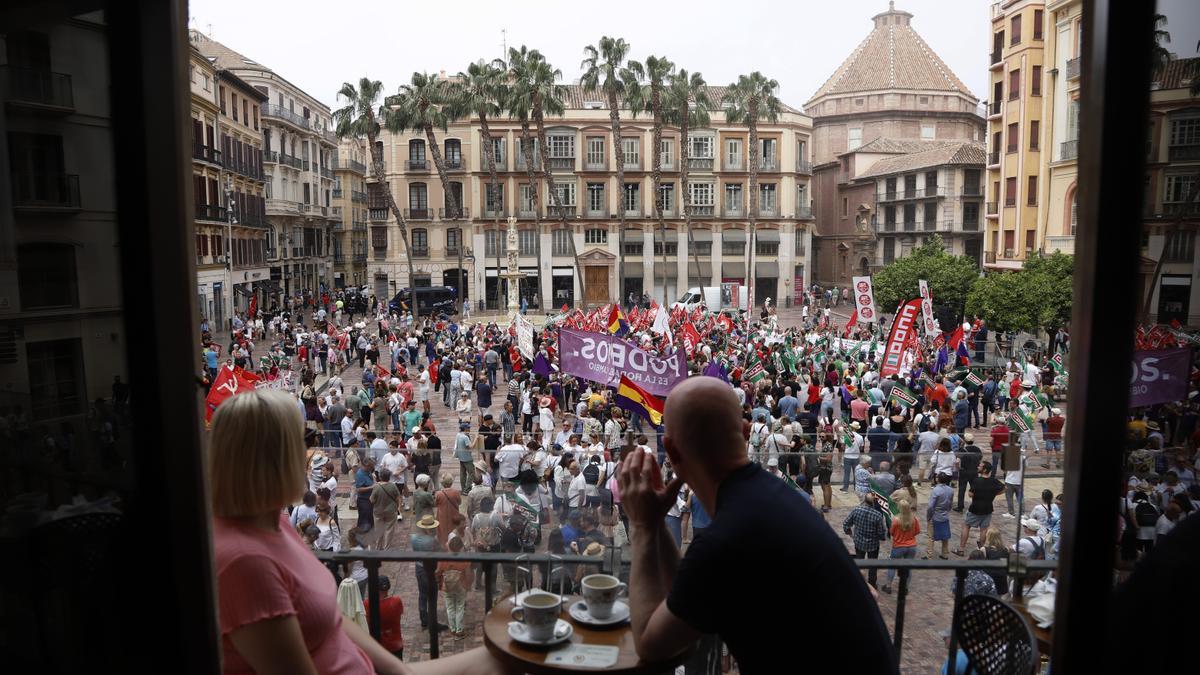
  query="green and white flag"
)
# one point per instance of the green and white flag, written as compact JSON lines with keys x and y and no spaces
{"x":901,"y":394}
{"x":1033,"y":400}
{"x":1020,"y":420}
{"x":885,"y":501}
{"x":973,"y":379}
{"x":520,"y":505}
{"x":847,"y":438}
{"x":1056,"y":362}
{"x":754,"y":369}
{"x":788,"y":479}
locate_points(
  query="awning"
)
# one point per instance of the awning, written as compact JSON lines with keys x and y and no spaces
{"x":672,"y":235}
{"x":766,"y":235}
{"x":672,"y":268}
{"x":766,"y":269}
{"x":269,"y":285}
{"x":705,"y":269}
{"x":702,"y":235}
{"x":734,"y":236}
{"x":734,"y":270}
{"x":633,"y":270}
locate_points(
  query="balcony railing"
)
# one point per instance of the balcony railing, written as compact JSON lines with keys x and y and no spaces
{"x":293,"y":162}
{"x":328,"y":136}
{"x":418,"y":214}
{"x":993,"y":208}
{"x":1073,"y":68}
{"x":1183,"y":152}
{"x":279,"y":112}
{"x":326,"y":173}
{"x":596,"y":214}
{"x":596,"y":166}
{"x":733,"y":166}
{"x":633,"y":213}
{"x":995,"y":57}
{"x":537,"y":162}
{"x":768,"y":163}
{"x":1177,"y":208}
{"x":347,"y":164}
{"x":733,"y":211}
{"x":339,"y":258}
{"x":283,"y":205}
{"x":358,"y":197}
{"x":921,"y":193}
{"x":972,"y":191}
{"x":377,"y":214}
{"x":38,"y":87}
{"x":270,"y":157}
{"x":420,"y":251}
{"x":560,"y":212}
{"x":768,"y":211}
{"x":498,"y":158}
{"x":886,"y":226}
{"x":525,"y":213}
{"x":335,"y":211}
{"x":454,"y":163}
{"x":360,"y":258}
{"x":994,"y":108}
{"x":206,"y":153}
{"x":910,"y":226}
{"x":211,"y":212}
{"x":337,"y":193}
{"x":970,"y":225}
{"x":464,"y":214}
{"x":562,"y":163}
{"x":495,"y":213}
{"x":700,"y":163}
{"x":702,"y":211}
{"x":1068,"y":150}
{"x":633,"y":166}
{"x":994,"y":158}
{"x":804,"y":166}
{"x":989,"y":257}
{"x":45,"y":191}
{"x":417,"y":165}
{"x":360,"y":226}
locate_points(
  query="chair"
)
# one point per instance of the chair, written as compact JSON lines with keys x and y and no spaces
{"x":995,"y":637}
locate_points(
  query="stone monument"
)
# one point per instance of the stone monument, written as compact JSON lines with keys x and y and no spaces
{"x":512,"y":274}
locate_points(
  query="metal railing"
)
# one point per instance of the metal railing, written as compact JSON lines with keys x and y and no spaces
{"x":358,"y":197}
{"x":377,"y":214}
{"x":420,"y":251}
{"x":633,"y":166}
{"x":464,"y":213}
{"x":293,"y":162}
{"x":560,"y":212}
{"x":972,"y":191}
{"x":270,"y":156}
{"x":996,"y":56}
{"x":285,"y":205}
{"x":417,"y":165}
{"x":337,"y":193}
{"x":1068,"y":150}
{"x":360,"y":226}
{"x":804,"y":166}
{"x":326,"y":173}
{"x":454,"y":163}
{"x":1073,"y":68}
{"x":768,"y":163}
{"x":804,"y":212}
{"x":595,"y":166}
{"x":495,"y":213}
{"x":39,"y":87}
{"x":993,"y":208}
{"x":210,"y":212}
{"x":360,"y":257}
{"x":768,"y":211}
{"x":922,"y":193}
{"x":562,"y":163}
{"x":593,"y":214}
{"x":45,"y":190}
{"x":1183,"y":152}
{"x":498,"y":158}
{"x":206,"y":153}
{"x":735,"y":211}
{"x":702,"y":211}
{"x":993,"y":158}
{"x":279,"y":112}
{"x":418,"y":214}
{"x":700,"y":163}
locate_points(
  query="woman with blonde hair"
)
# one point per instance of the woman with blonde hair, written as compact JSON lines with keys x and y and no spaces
{"x":995,"y":549}
{"x":277,"y":606}
{"x":905,"y":529}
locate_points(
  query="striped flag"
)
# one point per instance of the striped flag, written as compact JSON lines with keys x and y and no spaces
{"x":754,"y":369}
{"x":902,"y":395}
{"x":1056,"y":362}
{"x":788,"y":479}
{"x":1020,"y":420}
{"x":635,"y":399}
{"x":520,"y":505}
{"x":885,"y":501}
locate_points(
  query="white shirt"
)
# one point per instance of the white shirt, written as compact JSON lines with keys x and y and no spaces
{"x":853,"y":450}
{"x":509,"y":458}
{"x":576,"y":491}
{"x":943,"y":462}
{"x":1014,"y":477}
{"x":379,"y":448}
{"x":347,"y":430}
{"x":395,"y":463}
{"x":562,"y":480}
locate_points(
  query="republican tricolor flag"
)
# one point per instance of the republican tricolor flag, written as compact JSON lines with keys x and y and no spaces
{"x":617,"y":325}
{"x":637,"y":400}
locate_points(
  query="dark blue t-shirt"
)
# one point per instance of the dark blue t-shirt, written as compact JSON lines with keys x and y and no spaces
{"x":763,"y":524}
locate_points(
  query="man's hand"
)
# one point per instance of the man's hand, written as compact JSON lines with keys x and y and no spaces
{"x":643,"y":495}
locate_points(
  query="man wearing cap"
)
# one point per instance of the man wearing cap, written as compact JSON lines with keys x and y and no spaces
{"x":466,"y":460}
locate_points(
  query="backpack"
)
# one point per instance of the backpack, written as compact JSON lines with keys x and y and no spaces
{"x":591,"y":474}
{"x":756,"y":438}
{"x":1039,"y":547}
{"x":452,"y":581}
{"x":1145,"y":514}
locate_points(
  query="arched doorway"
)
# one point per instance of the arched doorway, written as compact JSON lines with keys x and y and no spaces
{"x":864,"y":267}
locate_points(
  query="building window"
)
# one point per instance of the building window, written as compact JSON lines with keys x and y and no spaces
{"x":494,"y":199}
{"x":595,"y":151}
{"x":55,"y":378}
{"x":927,"y":132}
{"x":1185,"y":131}
{"x":418,"y":196}
{"x":595,"y":196}
{"x":1074,"y":212}
{"x":1014,"y":138}
{"x":453,"y":152}
{"x":1010,"y":191}
{"x":766,"y":248}
{"x":1035,"y":128}
{"x":702,"y":248}
{"x":672,"y":245}
{"x":456,"y":190}
{"x":566,"y":193}
{"x":767,"y":198}
{"x":1035,"y":82}
{"x":666,"y":151}
{"x":1179,"y":246}
{"x":453,"y":239}
{"x":845,"y":206}
{"x":1179,"y":188}
{"x":633,"y":243}
{"x":802,"y":197}
{"x":733,"y":197}
{"x":1016,"y":30}
{"x":733,"y":153}
{"x":1038,"y":20}
{"x":854,"y":138}
{"x":46,"y":276}
{"x":632,"y":198}
{"x":527,"y":242}
{"x":1014,"y":84}
{"x":701,"y":193}
{"x":416,"y":150}
{"x":931,"y":183}
{"x":596,"y":235}
{"x":889,"y":217}
{"x":561,"y":146}
{"x":562,"y":242}
{"x":889,"y":250}
{"x":701,"y":147}
{"x":207,"y":85}
{"x":733,"y":248}
{"x":526,"y":198}
{"x":767,"y":152}
{"x":631,"y":151}
{"x":491,"y":240}
{"x":970,"y":216}
{"x":233,"y":105}
{"x":666,"y":198}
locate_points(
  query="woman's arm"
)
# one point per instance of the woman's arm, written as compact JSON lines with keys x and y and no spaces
{"x":274,"y":645}
{"x":384,"y":661}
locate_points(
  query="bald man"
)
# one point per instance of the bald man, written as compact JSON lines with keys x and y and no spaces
{"x":759,"y":523}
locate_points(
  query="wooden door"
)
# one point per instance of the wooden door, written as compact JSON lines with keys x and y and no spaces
{"x":596,"y":278}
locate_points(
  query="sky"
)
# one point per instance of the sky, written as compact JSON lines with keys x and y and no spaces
{"x":319,"y":45}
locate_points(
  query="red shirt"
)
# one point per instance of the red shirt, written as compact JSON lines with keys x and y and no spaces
{"x":391,"y":609}
{"x":1054,"y":425}
{"x":999,"y":437}
{"x":937,"y":394}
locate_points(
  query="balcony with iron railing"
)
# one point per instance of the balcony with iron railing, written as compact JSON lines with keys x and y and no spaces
{"x":494,"y":213}
{"x":737,"y":210}
{"x":596,"y":214}
{"x":211,"y":212}
{"x":328,"y":136}
{"x":339,"y":258}
{"x":602,"y":165}
{"x":270,"y":157}
{"x":1068,"y":150}
{"x":417,"y":165}
{"x":464,"y":213}
{"x":418,"y":214}
{"x":566,"y":211}
{"x":993,"y":158}
{"x":1183,"y":153}
{"x":360,"y":258}
{"x":454,"y":163}
{"x":358,"y":197}
{"x":989,"y":257}
{"x":337,"y":193}
{"x":804,"y":166}
{"x":49,"y":192}
{"x":1180,"y":208}
{"x":326,"y":173}
{"x":293,"y":162}
{"x":498,"y":158}
{"x":562,"y":163}
{"x":537,"y":162}
{"x":1073,"y":68}
{"x":768,"y":163}
{"x":916,"y":193}
{"x":635,"y":212}
{"x":972,"y":191}
{"x":635,"y":165}
{"x":700,"y":163}
{"x":993,"y":208}
{"x":996,"y":56}
{"x":274,"y":111}
{"x":1010,"y":201}
{"x":282,"y":206}
{"x":524,"y":212}
{"x":360,"y":226}
{"x":38,"y":88}
{"x":338,"y":164}
{"x":420,"y":251}
{"x":995,"y":108}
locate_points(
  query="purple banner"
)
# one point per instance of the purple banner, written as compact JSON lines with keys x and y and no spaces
{"x":602,"y":358}
{"x":1159,"y":376}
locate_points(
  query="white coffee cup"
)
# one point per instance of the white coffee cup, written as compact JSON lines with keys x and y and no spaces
{"x":539,"y":612}
{"x":600,"y":592}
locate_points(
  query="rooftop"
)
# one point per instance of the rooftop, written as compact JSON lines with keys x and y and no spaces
{"x":893,"y":56}
{"x":968,"y":152}
{"x":1178,"y":73}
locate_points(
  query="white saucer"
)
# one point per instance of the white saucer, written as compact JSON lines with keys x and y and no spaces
{"x":578,"y":611}
{"x":562,"y":632}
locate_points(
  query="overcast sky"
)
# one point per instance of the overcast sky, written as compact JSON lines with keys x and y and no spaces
{"x":319,"y":45}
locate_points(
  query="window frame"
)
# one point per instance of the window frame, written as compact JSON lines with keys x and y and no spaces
{"x":698,"y":189}
{"x":596,"y":236}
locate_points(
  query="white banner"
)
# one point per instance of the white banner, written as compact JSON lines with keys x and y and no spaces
{"x":864,"y":300}
{"x":931,"y":327}
{"x":524,"y":336}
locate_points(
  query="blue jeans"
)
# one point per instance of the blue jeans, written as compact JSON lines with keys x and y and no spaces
{"x":900,"y":552}
{"x":848,"y":467}
{"x":492,"y":376}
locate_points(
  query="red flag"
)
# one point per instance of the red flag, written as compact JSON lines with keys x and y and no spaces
{"x":231,"y":380}
{"x":851,"y":323}
{"x":725,"y":322}
{"x":564,"y":308}
{"x":939,"y":340}
{"x":253,"y":306}
{"x":381,"y":371}
{"x":955,"y":338}
{"x":691,"y":338}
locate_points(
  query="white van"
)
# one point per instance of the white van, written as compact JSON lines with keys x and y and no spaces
{"x":715,"y":298}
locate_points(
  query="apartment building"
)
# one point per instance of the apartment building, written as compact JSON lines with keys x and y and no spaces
{"x":350,"y":211}
{"x":934,"y":191}
{"x":1060,"y":126}
{"x":1015,"y":134}
{"x":298,"y":147}
{"x":228,"y":186}
{"x":1170,"y":266}
{"x":583,"y":163}
{"x":62,"y":337}
{"x":892,"y":96}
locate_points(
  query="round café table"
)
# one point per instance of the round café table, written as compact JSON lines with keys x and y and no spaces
{"x":523,"y":658}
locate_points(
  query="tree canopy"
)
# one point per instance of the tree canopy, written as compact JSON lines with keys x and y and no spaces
{"x":950,"y":277}
{"x":1036,"y":296}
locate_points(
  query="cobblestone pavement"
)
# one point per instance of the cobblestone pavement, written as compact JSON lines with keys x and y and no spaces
{"x":929,"y":603}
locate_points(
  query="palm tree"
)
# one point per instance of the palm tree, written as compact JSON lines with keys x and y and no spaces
{"x":480,"y":92}
{"x":423,"y":105}
{"x":1161,"y":56}
{"x":686,"y":106}
{"x":658,"y":69}
{"x":607,"y":70}
{"x":520,"y":105}
{"x":359,"y":119}
{"x":748,"y":100}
